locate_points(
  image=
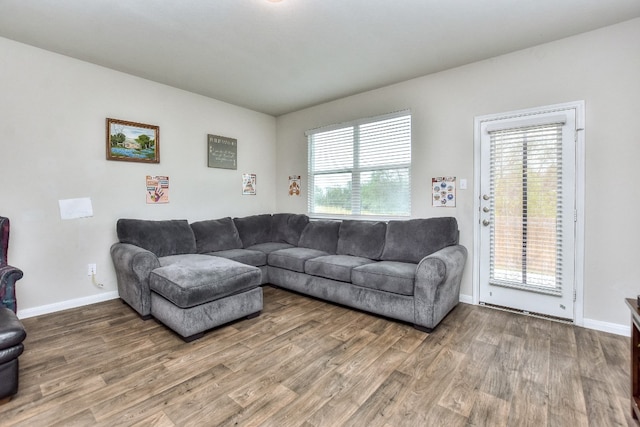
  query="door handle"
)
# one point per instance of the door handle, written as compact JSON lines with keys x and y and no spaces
{"x":485,"y":197}
{"x":486,"y":222}
{"x":485,"y":209}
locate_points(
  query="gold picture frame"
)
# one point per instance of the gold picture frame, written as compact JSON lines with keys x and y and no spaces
{"x":132,"y":142}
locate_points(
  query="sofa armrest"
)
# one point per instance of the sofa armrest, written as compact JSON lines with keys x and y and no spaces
{"x":133,"y":266}
{"x":437,"y":285}
{"x":8,"y":277}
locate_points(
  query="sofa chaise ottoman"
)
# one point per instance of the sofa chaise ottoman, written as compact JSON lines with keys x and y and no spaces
{"x":187,"y":292}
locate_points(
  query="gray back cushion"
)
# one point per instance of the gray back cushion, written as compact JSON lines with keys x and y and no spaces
{"x":163,"y":238}
{"x":361,"y":238}
{"x":320,"y":235}
{"x":412,"y":240}
{"x":216,"y":235}
{"x":287,"y":228}
{"x":254,"y":229}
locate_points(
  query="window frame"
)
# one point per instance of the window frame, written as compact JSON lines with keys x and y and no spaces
{"x":356,"y":169}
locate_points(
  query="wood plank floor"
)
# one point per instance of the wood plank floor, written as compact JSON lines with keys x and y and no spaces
{"x":304,"y":362}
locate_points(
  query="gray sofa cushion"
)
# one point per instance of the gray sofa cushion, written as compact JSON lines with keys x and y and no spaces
{"x":254,"y":229}
{"x":163,"y":238}
{"x":216,"y":235}
{"x":245,"y":256}
{"x":361,"y":238}
{"x":287,"y":228}
{"x":267,"y":248}
{"x":201,"y":279}
{"x":336,"y":267}
{"x":293,"y":258}
{"x":178,"y":259}
{"x":412,"y":240}
{"x":320,"y":235}
{"x":389,"y":276}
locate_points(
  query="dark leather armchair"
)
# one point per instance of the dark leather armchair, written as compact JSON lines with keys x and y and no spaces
{"x":8,"y":274}
{"x":12,"y":332}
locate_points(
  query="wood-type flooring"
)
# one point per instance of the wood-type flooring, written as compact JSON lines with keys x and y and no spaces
{"x":304,"y":362}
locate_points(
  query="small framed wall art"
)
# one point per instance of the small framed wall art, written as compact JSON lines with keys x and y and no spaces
{"x":294,"y":185}
{"x":444,"y":191}
{"x":249,"y":184}
{"x":132,"y":142}
{"x":157,"y":189}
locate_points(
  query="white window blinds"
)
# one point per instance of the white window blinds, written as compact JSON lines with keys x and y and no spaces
{"x":361,"y":168}
{"x":526,"y":206}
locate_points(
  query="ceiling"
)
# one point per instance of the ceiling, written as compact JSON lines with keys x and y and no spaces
{"x":285,"y":56}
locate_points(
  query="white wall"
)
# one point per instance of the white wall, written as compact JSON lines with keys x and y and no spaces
{"x":52,"y":146}
{"x":601,"y":67}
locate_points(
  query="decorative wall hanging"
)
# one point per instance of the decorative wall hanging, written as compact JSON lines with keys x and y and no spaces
{"x":294,"y":185}
{"x":222,"y":152}
{"x":157,"y":189}
{"x":444,"y":191}
{"x":132,"y":142}
{"x":249,"y":184}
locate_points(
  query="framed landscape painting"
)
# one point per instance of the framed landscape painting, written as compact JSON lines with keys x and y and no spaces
{"x":132,"y":142}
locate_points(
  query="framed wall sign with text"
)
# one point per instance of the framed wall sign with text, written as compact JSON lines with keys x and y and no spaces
{"x":222,"y":152}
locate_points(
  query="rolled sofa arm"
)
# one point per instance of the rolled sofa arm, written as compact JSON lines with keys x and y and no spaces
{"x":8,"y":277}
{"x":133,"y":266}
{"x":437,"y":285}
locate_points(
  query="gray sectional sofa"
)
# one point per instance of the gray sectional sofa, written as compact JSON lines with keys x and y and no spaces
{"x":193,"y":277}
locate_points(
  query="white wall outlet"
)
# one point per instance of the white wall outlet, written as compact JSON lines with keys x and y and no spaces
{"x":91,"y":269}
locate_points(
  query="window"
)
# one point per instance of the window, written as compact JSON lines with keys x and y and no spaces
{"x":526,"y":197}
{"x":362,"y":168}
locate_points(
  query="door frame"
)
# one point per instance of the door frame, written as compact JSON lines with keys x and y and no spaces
{"x":579,"y":107}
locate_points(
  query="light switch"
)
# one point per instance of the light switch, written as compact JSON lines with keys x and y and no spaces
{"x":463,"y":184}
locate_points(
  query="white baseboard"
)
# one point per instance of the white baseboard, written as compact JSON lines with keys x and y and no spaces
{"x":613,"y":328}
{"x":65,"y":305}
{"x":467,"y":299}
